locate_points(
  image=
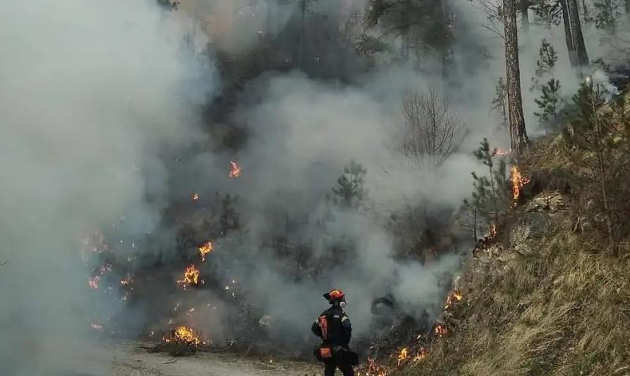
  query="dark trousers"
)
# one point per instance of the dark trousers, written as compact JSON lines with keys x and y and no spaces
{"x":331,"y":365}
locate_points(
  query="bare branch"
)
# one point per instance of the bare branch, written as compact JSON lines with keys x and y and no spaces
{"x":432,"y":129}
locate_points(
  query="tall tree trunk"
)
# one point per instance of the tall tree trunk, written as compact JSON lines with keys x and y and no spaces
{"x":524,"y":6}
{"x":518,"y":133}
{"x":627,"y":6}
{"x":573,"y":33}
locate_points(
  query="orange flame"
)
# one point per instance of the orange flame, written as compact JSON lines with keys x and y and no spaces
{"x":236,"y":170}
{"x":191,"y":276}
{"x":402,"y":356}
{"x":205,"y":249}
{"x":518,"y":181}
{"x":453,"y":297}
{"x":373,"y":369}
{"x":422,"y":353}
{"x":195,"y":196}
{"x":440,"y":330}
{"x":184,"y":334}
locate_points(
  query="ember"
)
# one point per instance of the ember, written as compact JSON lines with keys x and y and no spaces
{"x":205,"y":249}
{"x":96,"y":326}
{"x":195,"y":197}
{"x":236,"y":170}
{"x":191,"y":276}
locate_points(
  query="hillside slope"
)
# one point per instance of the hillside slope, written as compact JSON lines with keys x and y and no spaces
{"x":545,"y":298}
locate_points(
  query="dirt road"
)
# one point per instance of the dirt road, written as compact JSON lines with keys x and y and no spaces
{"x":131,"y":360}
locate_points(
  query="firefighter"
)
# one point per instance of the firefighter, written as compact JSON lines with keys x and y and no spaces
{"x":333,"y":327}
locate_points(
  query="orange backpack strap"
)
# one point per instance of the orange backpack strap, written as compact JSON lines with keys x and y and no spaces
{"x":323,"y":325}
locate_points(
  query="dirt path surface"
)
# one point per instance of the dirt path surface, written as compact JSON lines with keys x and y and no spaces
{"x":131,"y":360}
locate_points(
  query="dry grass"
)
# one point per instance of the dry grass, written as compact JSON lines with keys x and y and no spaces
{"x":563,"y":310}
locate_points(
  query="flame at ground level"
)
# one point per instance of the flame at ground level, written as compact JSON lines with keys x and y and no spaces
{"x":453,"y":297}
{"x":402,"y":356}
{"x":184,"y":334}
{"x":518,"y":181}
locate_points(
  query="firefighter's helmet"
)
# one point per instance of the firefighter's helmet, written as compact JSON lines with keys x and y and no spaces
{"x":334,"y":295}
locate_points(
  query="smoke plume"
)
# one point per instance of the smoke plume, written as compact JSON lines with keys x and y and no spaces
{"x":92,"y":98}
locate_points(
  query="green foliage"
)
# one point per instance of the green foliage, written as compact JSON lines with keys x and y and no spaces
{"x":606,"y":13}
{"x":490,"y":197}
{"x":587,"y":122}
{"x":549,"y":104}
{"x":600,"y":64}
{"x":350,"y":191}
{"x":549,"y":11}
{"x":368,"y":45}
{"x":593,"y":132}
{"x":547,"y":58}
{"x":550,"y":101}
{"x":421,"y":22}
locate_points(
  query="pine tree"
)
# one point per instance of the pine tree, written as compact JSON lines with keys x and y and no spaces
{"x":490,"y":197}
{"x":549,"y":101}
{"x":606,"y":13}
{"x":592,"y":131}
{"x":552,"y":11}
{"x":549,"y":104}
{"x":545,"y":65}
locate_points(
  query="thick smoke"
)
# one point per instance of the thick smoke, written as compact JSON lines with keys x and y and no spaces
{"x":303,"y":130}
{"x":92,"y":97}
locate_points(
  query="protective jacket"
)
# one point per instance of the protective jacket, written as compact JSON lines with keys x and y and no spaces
{"x":333,"y":327}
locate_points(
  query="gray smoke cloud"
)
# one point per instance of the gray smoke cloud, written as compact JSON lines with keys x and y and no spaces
{"x":92,"y":95}
{"x":303,"y":130}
